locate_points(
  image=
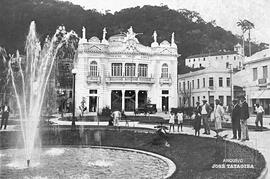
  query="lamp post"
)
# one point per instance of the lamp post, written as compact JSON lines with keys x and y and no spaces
{"x":74,"y":71}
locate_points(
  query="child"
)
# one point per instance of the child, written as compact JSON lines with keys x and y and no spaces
{"x":180,"y":120}
{"x":197,"y":123}
{"x":171,"y":121}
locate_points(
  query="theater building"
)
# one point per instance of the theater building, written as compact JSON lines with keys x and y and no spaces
{"x":123,"y":74}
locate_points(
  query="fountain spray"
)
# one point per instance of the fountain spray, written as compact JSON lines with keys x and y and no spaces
{"x":30,"y":78}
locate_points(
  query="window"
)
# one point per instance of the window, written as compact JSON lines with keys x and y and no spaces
{"x":142,"y":70}
{"x":116,"y":69}
{"x":130,"y":69}
{"x":164,"y":71}
{"x":255,"y":74}
{"x":198,"y":83}
{"x":200,"y":65}
{"x":203,"y":59}
{"x":92,"y":91}
{"x":228,"y":82}
{"x":221,"y":98}
{"x":179,"y":86}
{"x":227,"y":65}
{"x":198,"y":98}
{"x":220,"y":81}
{"x":265,"y":72}
{"x":193,"y":101}
{"x":93,"y":69}
{"x":192,"y":84}
{"x":189,"y":60}
{"x":211,"y":82}
{"x":203,"y":82}
{"x":165,"y":91}
{"x":234,"y":57}
{"x":194,"y":59}
{"x":240,"y":65}
{"x":188,"y":85}
{"x":184,"y":85}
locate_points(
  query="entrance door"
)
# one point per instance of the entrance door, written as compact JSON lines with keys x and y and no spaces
{"x":142,"y":98}
{"x":116,"y":100}
{"x":130,"y":100}
{"x":92,"y":103}
{"x":165,"y":103}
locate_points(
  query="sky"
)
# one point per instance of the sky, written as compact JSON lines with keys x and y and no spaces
{"x":226,"y":13}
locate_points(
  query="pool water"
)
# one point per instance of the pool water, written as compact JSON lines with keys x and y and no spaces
{"x":77,"y":163}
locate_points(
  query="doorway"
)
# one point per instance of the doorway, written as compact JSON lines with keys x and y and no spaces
{"x":92,"y":103}
{"x":165,"y":103}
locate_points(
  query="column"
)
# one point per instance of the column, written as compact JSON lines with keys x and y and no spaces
{"x":123,"y":100}
{"x":136,"y":98}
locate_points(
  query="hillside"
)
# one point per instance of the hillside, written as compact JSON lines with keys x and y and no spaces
{"x":193,"y":35}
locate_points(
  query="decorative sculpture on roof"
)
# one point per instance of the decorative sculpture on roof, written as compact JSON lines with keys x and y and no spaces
{"x":104,"y":33}
{"x":131,"y":35}
{"x":155,"y":36}
{"x":83,"y":33}
{"x":172,"y":40}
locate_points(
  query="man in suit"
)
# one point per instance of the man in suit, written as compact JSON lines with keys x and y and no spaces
{"x":236,"y":115}
{"x":244,"y":117}
{"x":206,"y":111}
{"x":5,"y":114}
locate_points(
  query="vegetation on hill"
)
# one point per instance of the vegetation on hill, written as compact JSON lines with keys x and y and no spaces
{"x":193,"y":35}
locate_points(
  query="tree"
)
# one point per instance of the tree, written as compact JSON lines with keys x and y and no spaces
{"x":4,"y":74}
{"x":186,"y":95}
{"x":245,"y":26}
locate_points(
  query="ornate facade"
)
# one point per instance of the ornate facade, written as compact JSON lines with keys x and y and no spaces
{"x":123,"y":74}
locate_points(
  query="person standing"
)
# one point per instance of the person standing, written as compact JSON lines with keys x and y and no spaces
{"x":116,"y":117}
{"x":244,"y":117}
{"x":171,"y":121}
{"x":5,"y":114}
{"x":206,"y":111}
{"x":259,"y":117}
{"x":236,"y":115}
{"x":218,"y":117}
{"x":180,"y":120}
{"x":197,"y":122}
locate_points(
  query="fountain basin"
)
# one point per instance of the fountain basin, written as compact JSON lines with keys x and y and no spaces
{"x":86,"y":162}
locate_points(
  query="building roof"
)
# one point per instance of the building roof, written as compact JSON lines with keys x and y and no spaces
{"x":261,"y":55}
{"x":212,"y":54}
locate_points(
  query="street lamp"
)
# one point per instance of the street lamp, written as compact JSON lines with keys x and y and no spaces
{"x":74,"y":71}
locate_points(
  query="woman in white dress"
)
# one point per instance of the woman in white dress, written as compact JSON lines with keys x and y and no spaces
{"x":171,"y":121}
{"x":218,"y":116}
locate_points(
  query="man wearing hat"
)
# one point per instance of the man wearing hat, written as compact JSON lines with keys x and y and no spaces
{"x":206,"y":110}
{"x":244,"y":117}
{"x":236,"y":115}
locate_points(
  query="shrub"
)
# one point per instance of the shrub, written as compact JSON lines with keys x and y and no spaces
{"x":106,"y":111}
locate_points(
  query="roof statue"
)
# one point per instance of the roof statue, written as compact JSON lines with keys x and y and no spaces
{"x":104,"y":41}
{"x":131,"y":35}
{"x":155,"y":36}
{"x":172,"y":41}
{"x":83,"y":33}
{"x":104,"y":33}
{"x":154,"y":44}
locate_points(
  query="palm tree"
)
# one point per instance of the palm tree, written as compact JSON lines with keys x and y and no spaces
{"x":249,"y":26}
{"x":245,"y":26}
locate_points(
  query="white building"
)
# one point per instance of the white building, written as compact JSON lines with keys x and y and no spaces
{"x":220,"y":59}
{"x":122,"y":74}
{"x":210,"y":84}
{"x":255,"y":79}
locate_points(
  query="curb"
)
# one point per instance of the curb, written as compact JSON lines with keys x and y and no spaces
{"x":170,"y":163}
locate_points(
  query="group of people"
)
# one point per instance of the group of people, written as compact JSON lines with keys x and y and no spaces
{"x":205,"y":114}
{"x":176,"y":117}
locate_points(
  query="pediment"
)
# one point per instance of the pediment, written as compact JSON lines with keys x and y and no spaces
{"x":166,"y":51}
{"x":95,"y":48}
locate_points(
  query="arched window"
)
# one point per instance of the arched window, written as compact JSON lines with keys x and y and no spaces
{"x":93,"y":69}
{"x":164,"y":71}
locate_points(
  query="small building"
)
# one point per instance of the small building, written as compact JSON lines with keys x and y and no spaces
{"x":221,"y":59}
{"x":123,"y":74}
{"x":210,"y":83}
{"x":255,"y":79}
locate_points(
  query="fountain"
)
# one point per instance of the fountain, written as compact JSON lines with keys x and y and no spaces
{"x":29,"y":80}
{"x":31,"y":77}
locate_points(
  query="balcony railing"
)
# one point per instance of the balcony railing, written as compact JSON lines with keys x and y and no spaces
{"x":262,"y":82}
{"x":165,"y":80}
{"x":93,"y":79}
{"x":129,"y":79}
